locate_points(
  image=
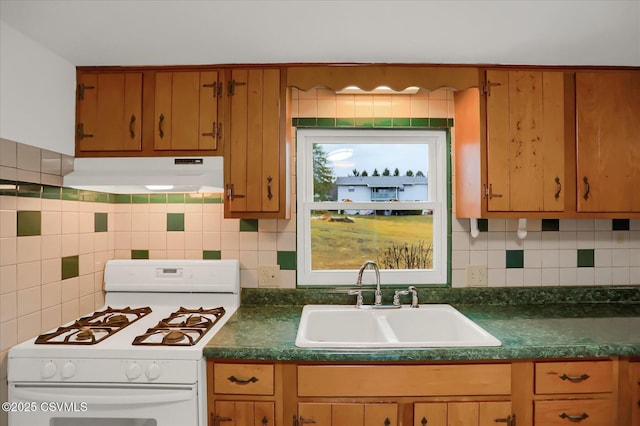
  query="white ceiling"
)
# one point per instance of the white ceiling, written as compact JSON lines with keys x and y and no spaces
{"x":173,"y":32}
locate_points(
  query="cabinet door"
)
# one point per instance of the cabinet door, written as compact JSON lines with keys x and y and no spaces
{"x":243,"y":413}
{"x":254,"y":159}
{"x":109,"y":109}
{"x":430,"y":414}
{"x":608,"y":141}
{"x":479,"y":414}
{"x":186,"y":111}
{"x":352,"y":414}
{"x":525,"y":141}
{"x":635,"y":393}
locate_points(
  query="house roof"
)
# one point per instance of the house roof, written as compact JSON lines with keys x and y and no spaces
{"x":381,"y":181}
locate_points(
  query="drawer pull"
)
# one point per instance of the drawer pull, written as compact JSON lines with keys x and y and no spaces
{"x":424,"y":421}
{"x":234,"y":379}
{"x":387,"y":422}
{"x":575,"y":379}
{"x":576,"y":419}
{"x":265,"y":421}
{"x":509,"y":420}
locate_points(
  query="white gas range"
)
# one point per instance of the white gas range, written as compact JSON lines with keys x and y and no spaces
{"x":138,"y":360}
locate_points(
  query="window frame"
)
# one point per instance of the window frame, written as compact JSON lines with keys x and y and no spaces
{"x":438,"y":194}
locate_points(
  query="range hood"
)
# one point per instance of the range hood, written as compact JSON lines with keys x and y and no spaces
{"x":144,"y":175}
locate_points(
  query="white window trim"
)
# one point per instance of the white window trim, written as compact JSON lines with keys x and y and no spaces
{"x":437,"y":202}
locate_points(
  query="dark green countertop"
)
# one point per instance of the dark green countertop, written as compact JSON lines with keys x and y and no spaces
{"x":538,"y":330}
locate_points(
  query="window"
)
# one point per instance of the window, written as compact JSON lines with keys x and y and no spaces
{"x":372,"y":195}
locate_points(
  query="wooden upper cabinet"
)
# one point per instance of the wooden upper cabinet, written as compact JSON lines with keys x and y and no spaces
{"x":255,"y":155}
{"x":187,"y":116}
{"x":525,"y":141}
{"x":608,"y":141}
{"x":109,"y":112}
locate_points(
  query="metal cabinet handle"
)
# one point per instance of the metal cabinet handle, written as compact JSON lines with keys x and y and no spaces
{"x":132,"y":122}
{"x":213,"y":132}
{"x":490,"y":193}
{"x":231,"y":194}
{"x":218,"y":419}
{"x":305,"y":421}
{"x":80,"y":134}
{"x":588,"y":187}
{"x":264,"y":421}
{"x":558,"y":187}
{"x":510,"y":420}
{"x":574,"y":379}
{"x":269,"y":194}
{"x":387,"y":422}
{"x":234,"y":379}
{"x":578,"y":418}
{"x":160,"y":123}
{"x":424,"y":421}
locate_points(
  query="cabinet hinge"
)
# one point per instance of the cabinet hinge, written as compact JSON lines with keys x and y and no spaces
{"x":486,"y":88}
{"x":80,"y":91}
{"x":217,"y":89}
{"x":231,"y":87}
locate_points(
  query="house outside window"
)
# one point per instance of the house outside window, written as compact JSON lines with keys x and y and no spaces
{"x":372,"y":195}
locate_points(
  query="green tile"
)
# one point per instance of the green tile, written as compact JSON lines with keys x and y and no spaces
{"x":211,"y":254}
{"x":620,"y":225}
{"x":139,"y":254}
{"x":550,"y":224}
{"x":294,"y":122}
{"x":89,"y":196}
{"x":307,"y":122}
{"x":140,"y":198}
{"x":70,"y":267}
{"x":69,"y":194}
{"x":287,"y":260}
{"x":29,"y":223}
{"x":29,"y":190}
{"x":158,"y":198}
{"x":175,"y":221}
{"x":586,"y":258}
{"x":515,"y":258}
{"x":483,"y":225}
{"x":438,"y":122}
{"x":345,"y":122}
{"x":382,"y":122}
{"x":8,"y":187}
{"x":175,"y":198}
{"x":51,"y":192}
{"x":326,"y":122}
{"x":364,"y":122}
{"x":419,"y":122}
{"x":100,"y":222}
{"x":449,"y":122}
{"x":122,"y":198}
{"x":212,"y":198}
{"x":193,"y":198}
{"x":401,"y":122}
{"x":248,"y":225}
{"x":102,"y":197}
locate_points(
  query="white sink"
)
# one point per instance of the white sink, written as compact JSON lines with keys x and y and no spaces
{"x":429,"y":326}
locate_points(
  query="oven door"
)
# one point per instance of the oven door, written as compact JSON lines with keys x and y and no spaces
{"x":69,"y":404}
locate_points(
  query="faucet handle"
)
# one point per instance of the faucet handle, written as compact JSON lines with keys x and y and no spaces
{"x":414,"y":297}
{"x":358,"y":294}
{"x":396,"y":296}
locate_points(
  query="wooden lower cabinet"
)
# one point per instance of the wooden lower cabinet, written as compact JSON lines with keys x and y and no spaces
{"x":634,"y":377}
{"x":463,"y":414}
{"x":243,"y":413}
{"x":352,"y":414}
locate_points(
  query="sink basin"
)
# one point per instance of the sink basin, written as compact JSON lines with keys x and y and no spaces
{"x":429,"y":326}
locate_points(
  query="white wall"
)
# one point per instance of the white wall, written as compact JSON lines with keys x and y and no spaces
{"x":37,"y":88}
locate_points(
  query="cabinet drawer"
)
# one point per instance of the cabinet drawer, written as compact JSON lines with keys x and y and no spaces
{"x":586,"y":412}
{"x":243,"y":379}
{"x":404,"y":380}
{"x":574,"y":377}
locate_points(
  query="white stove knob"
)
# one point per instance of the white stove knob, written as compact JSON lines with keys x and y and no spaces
{"x":68,"y":370}
{"x":48,"y":369}
{"x":133,"y":371}
{"x":153,"y":371}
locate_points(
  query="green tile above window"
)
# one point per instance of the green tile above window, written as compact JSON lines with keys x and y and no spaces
{"x":175,"y":221}
{"x":483,"y":225}
{"x":51,"y":192}
{"x":586,"y":258}
{"x":550,"y":225}
{"x":140,"y":198}
{"x":29,"y":223}
{"x":100,"y":222}
{"x":140,"y":254}
{"x":287,"y":260}
{"x":515,"y":259}
{"x":122,"y":198}
{"x":382,"y":122}
{"x":175,"y":198}
{"x":248,"y":225}
{"x":211,"y":254}
{"x":70,"y":267}
{"x":157,"y":198}
{"x":620,"y":225}
{"x":326,"y":122}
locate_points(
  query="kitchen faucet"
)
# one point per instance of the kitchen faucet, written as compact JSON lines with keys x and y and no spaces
{"x":378,"y":293}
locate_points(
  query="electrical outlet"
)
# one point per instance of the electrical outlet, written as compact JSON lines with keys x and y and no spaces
{"x":477,"y":275}
{"x":268,"y":275}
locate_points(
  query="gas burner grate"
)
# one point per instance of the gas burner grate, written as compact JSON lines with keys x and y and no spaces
{"x":184,"y":327}
{"x":94,"y":328}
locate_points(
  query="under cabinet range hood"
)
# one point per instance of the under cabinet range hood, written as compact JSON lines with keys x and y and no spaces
{"x":144,"y":175}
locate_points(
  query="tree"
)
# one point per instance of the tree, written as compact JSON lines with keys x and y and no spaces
{"x":409,"y":173}
{"x":396,"y":172}
{"x":419,"y":173}
{"x":375,"y":172}
{"x":386,"y":172}
{"x":364,"y":173}
{"x":322,"y":174}
{"x":355,"y":172}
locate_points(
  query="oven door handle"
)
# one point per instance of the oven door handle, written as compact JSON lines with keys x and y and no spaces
{"x":152,"y":396}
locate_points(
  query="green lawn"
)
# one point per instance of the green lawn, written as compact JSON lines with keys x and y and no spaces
{"x":345,"y":245}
